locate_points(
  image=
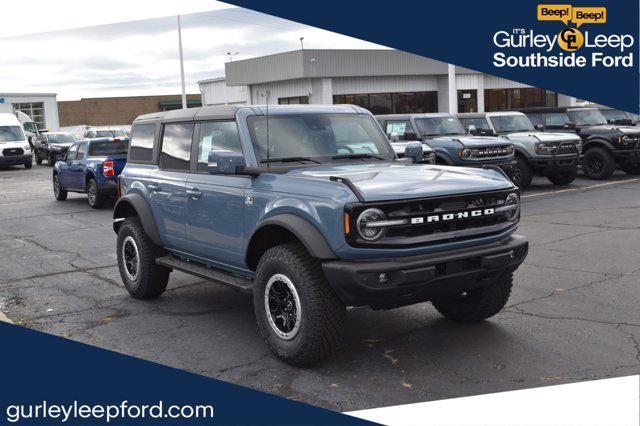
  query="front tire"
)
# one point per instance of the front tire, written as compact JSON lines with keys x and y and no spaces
{"x":598,"y":164}
{"x":137,"y":255}
{"x":564,"y":178}
{"x":28,"y":164}
{"x":51,"y":160}
{"x":522,"y":174}
{"x":58,"y":192}
{"x":299,"y":315}
{"x":38,"y":160}
{"x":479,"y":304}
{"x":94,"y":197}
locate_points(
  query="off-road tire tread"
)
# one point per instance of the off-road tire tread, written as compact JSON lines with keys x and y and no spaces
{"x":526,"y":174}
{"x":153,"y":278}
{"x":324,"y":315}
{"x":609,"y":163}
{"x":492,"y":300}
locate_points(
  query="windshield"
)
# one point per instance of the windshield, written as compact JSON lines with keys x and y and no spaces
{"x":512,"y":123}
{"x":317,"y":136}
{"x":11,"y":134}
{"x":109,"y":133}
{"x":100,"y":149}
{"x":438,"y":126}
{"x":614,"y":114}
{"x":590,"y":117}
{"x":61,"y":138}
{"x":477,"y":122}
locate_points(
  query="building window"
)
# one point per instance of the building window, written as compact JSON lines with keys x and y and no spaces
{"x":506,"y":99}
{"x":467,"y":100}
{"x":294,"y":100}
{"x":35,"y":110}
{"x":177,"y":104}
{"x":392,"y":103}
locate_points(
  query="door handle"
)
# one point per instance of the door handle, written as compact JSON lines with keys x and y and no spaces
{"x":153,"y":187}
{"x":194,"y":193}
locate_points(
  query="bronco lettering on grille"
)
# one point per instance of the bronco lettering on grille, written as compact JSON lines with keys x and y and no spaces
{"x":451,"y":216}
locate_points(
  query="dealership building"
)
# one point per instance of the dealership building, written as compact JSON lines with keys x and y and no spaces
{"x":383,"y":81}
{"x":41,"y":107}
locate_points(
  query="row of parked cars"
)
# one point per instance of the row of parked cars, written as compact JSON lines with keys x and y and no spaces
{"x":310,"y":209}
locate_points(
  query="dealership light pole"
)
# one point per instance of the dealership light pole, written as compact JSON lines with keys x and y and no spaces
{"x":184,"y":95}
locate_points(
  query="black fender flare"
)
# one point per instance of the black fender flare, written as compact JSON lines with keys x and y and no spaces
{"x":596,"y":142}
{"x":522,"y":152}
{"x":135,"y":204}
{"x":307,"y":233}
{"x":444,"y":157}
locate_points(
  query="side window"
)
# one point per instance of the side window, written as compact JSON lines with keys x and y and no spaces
{"x":82,"y":150}
{"x":399,"y":127}
{"x":142,"y":142}
{"x":536,"y":119}
{"x":176,"y":146}
{"x":73,"y":152}
{"x":557,"y":119}
{"x":215,"y":136}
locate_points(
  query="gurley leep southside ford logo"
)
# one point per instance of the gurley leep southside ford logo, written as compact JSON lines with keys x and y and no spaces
{"x":577,"y":48}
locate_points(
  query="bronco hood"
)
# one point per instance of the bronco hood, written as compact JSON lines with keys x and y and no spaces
{"x":473,"y":141}
{"x":544,"y":136}
{"x":389,"y":181}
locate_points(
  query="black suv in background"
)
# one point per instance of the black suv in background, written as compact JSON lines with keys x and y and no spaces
{"x":605,"y":146}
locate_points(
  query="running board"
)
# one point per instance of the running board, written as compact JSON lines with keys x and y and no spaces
{"x":244,"y":285}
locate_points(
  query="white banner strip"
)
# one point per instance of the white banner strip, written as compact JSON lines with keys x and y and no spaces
{"x":610,"y":402}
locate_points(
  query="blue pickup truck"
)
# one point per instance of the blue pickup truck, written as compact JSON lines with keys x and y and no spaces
{"x":91,"y":167}
{"x":309,"y":210}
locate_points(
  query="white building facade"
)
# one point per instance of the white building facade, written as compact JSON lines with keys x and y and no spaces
{"x":383,"y":81}
{"x":41,"y":107}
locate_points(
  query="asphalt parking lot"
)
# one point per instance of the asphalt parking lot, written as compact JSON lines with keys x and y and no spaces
{"x":573,"y":314}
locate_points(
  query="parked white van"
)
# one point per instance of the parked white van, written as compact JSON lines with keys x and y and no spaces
{"x":14,"y":147}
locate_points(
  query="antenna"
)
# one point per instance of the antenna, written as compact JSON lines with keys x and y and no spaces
{"x":267,"y":93}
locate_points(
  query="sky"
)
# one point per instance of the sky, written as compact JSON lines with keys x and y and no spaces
{"x":141,"y":57}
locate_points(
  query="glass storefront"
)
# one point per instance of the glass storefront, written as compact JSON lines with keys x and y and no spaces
{"x":507,"y":99}
{"x":392,"y":103}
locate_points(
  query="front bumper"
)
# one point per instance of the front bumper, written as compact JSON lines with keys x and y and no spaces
{"x":14,"y":160}
{"x":627,"y":155}
{"x":552,"y":165}
{"x":416,"y":279}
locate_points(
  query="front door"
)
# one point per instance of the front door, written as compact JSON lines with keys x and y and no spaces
{"x":215,"y":203}
{"x":66,"y":174}
{"x":166,"y":185}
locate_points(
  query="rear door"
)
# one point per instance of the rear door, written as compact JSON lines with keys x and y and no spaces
{"x":166,"y":184}
{"x":215,"y":202}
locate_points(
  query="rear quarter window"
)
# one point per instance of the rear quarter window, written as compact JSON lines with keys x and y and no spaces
{"x":142,"y":137}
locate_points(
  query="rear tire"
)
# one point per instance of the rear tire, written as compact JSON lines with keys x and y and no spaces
{"x":598,"y":164}
{"x":51,"y":160}
{"x":299,"y":315}
{"x":58,"y":192}
{"x":95,"y":198}
{"x":478,"y":304}
{"x":564,"y":178}
{"x":38,"y":160}
{"x":137,"y":255}
{"x":522,"y":174}
{"x":631,"y":168}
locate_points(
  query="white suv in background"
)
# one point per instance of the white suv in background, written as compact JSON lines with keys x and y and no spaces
{"x":14,"y":147}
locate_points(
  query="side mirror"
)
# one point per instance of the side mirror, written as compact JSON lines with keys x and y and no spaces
{"x":539,"y":127}
{"x":223,"y":162}
{"x":569,"y":125}
{"x":471,"y":129}
{"x":394,"y":137}
{"x":413,"y":150}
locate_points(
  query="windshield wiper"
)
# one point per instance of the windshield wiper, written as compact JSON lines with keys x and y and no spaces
{"x":289,"y":160}
{"x":356,"y":156}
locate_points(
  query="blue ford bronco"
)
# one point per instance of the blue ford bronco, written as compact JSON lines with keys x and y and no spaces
{"x":310,"y":210}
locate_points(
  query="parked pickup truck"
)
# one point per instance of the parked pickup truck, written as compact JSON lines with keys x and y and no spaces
{"x":605,"y":146}
{"x":553,"y":155}
{"x":281,"y":203}
{"x":90,"y":167}
{"x":453,"y":146}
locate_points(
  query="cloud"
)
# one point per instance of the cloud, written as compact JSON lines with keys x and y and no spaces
{"x":141,"y":57}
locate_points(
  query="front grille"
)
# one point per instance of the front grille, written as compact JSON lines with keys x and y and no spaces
{"x":419,"y":231}
{"x":8,"y":152}
{"x":491,"y":152}
{"x":567,"y":148}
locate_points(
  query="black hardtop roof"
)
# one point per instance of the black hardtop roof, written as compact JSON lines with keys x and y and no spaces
{"x":553,"y":109}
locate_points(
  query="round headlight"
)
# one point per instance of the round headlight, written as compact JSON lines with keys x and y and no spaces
{"x":513,"y":213}
{"x":365,"y":221}
{"x":466,"y":153}
{"x":27,"y":147}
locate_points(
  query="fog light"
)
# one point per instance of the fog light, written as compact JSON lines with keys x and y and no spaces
{"x":383,"y":278}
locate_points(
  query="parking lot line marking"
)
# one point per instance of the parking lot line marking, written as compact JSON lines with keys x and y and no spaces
{"x":582,"y":188}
